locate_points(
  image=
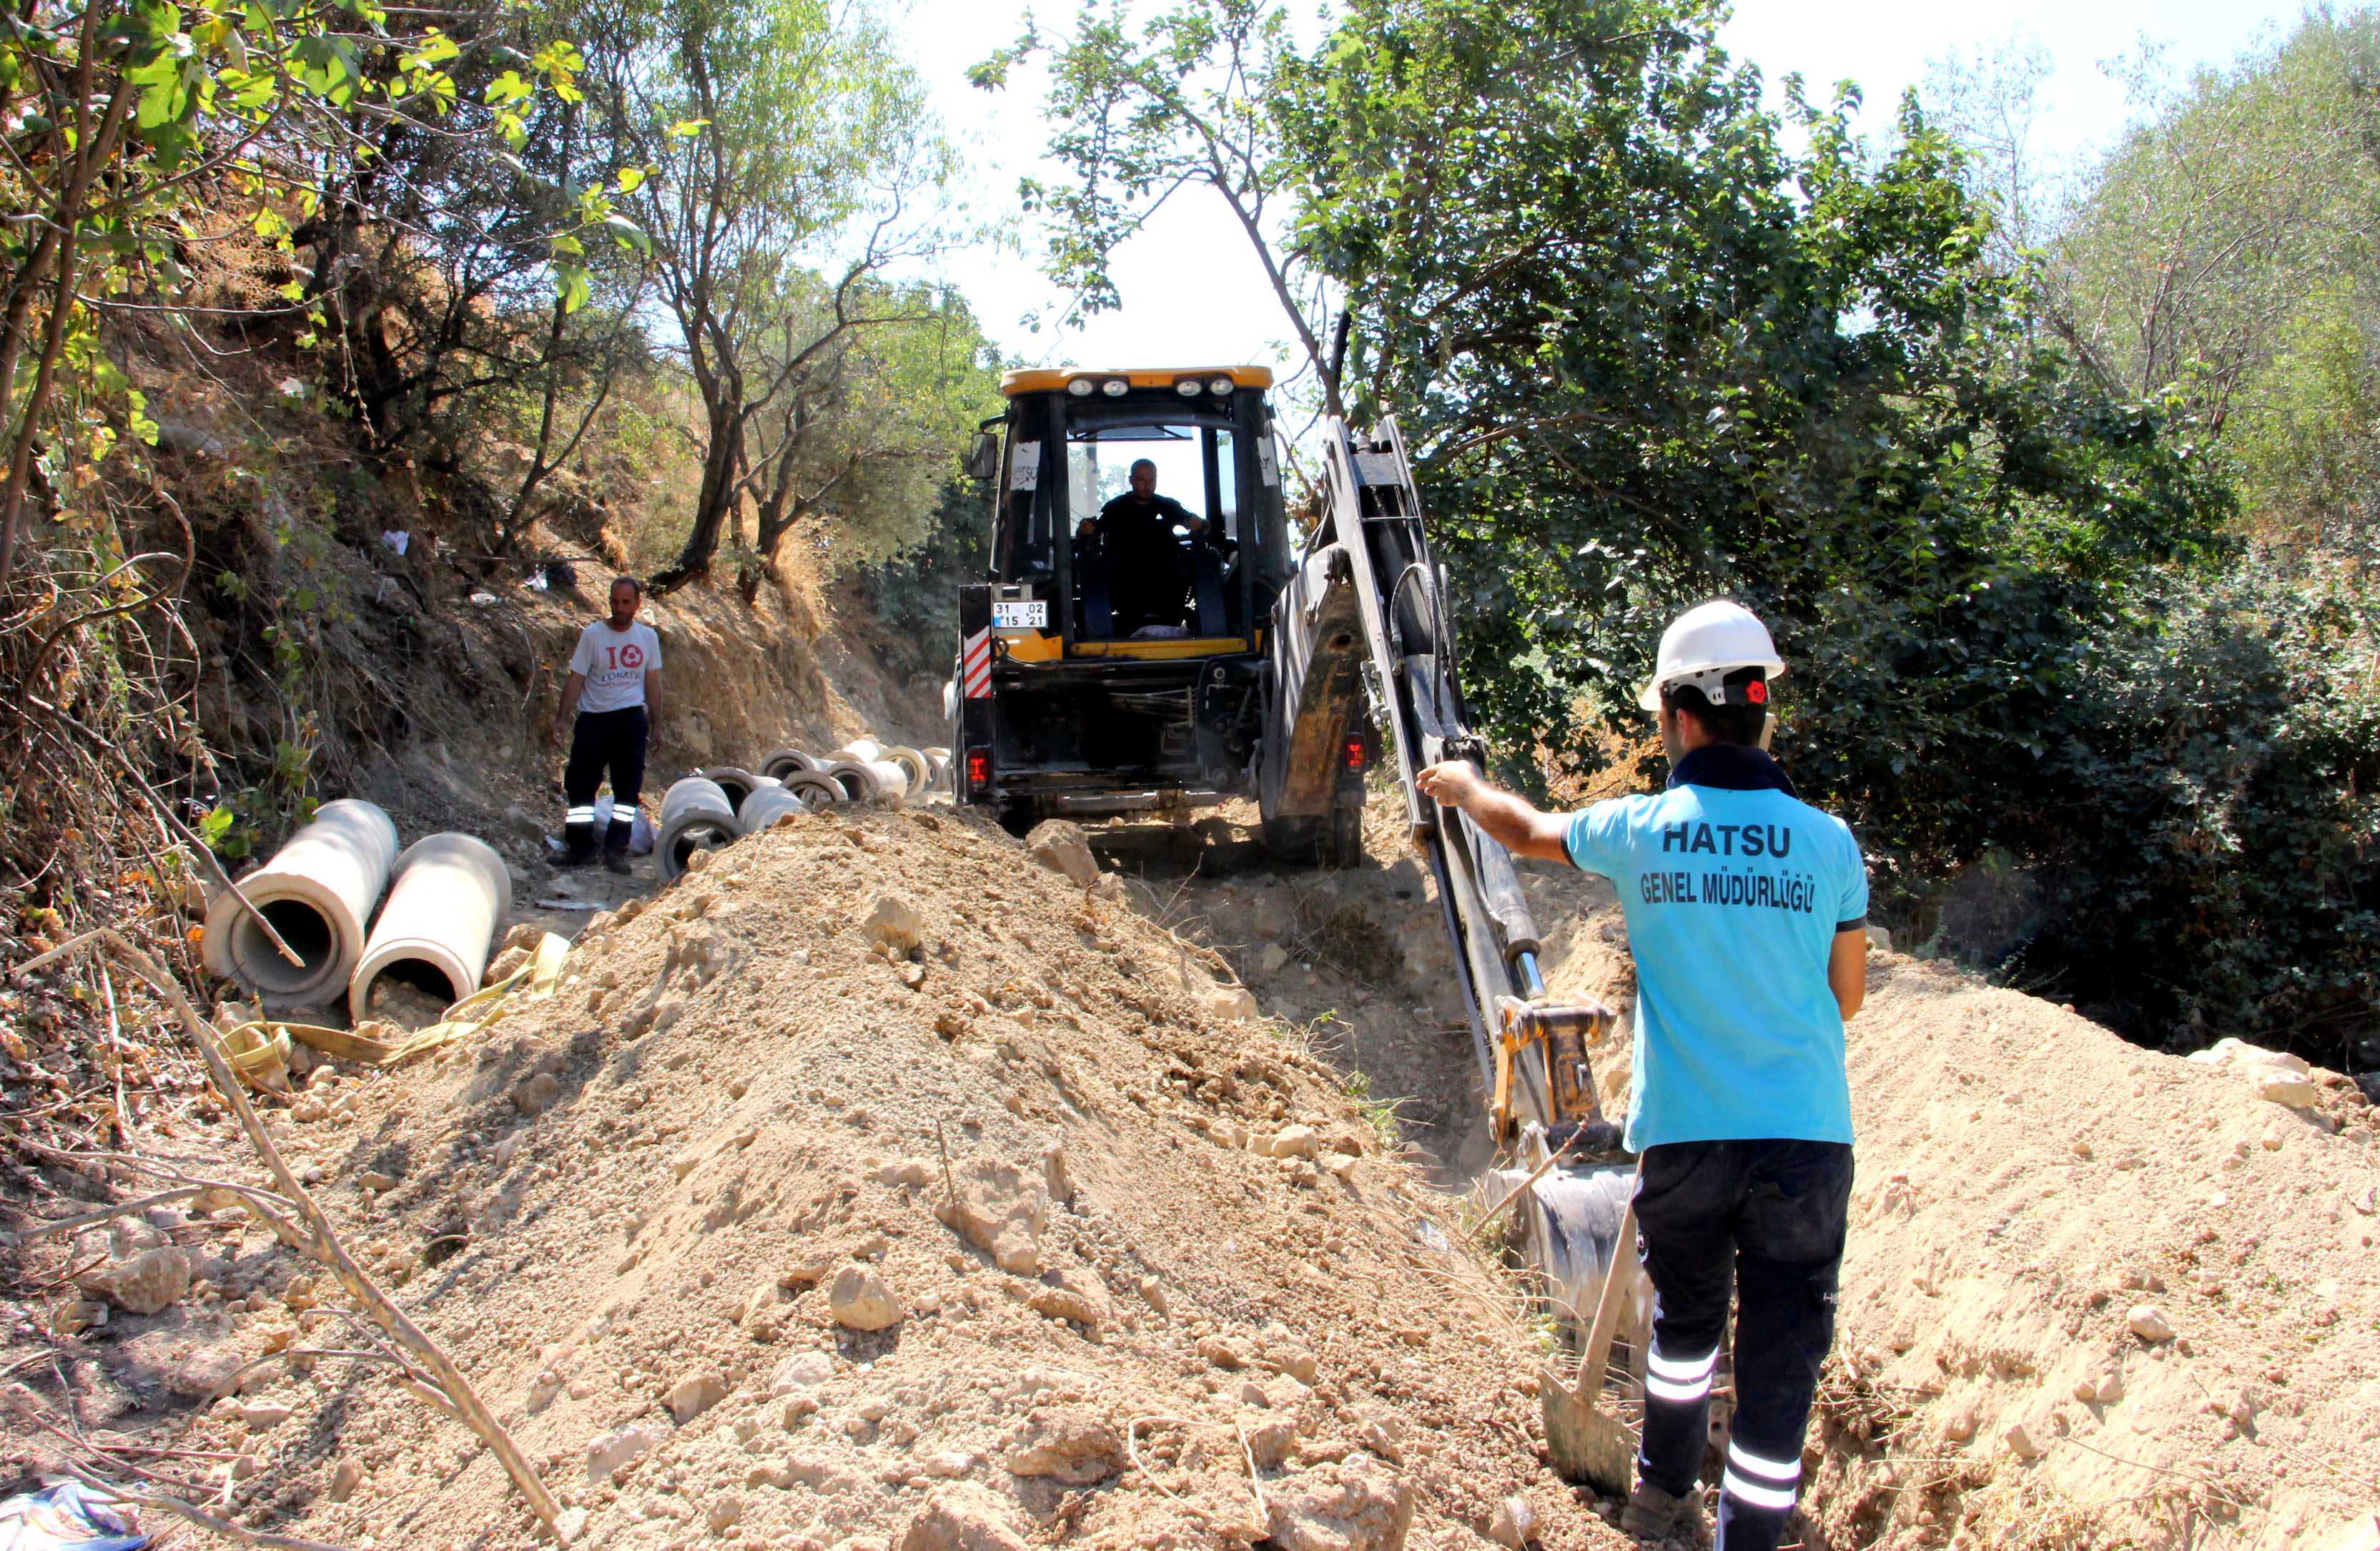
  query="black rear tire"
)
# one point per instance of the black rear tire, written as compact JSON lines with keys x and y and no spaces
{"x":1346,"y":847}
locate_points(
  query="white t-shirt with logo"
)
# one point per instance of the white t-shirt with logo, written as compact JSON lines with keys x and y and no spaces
{"x":615,"y":663}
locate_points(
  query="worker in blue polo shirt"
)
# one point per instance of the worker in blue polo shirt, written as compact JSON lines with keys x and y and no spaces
{"x":1747,"y":914}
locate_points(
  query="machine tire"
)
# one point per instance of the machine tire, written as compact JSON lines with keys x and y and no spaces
{"x":1017,"y":818}
{"x":1346,"y":843}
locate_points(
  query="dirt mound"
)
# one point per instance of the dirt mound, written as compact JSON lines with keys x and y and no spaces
{"x":2094,"y":1295}
{"x":873,"y":1185}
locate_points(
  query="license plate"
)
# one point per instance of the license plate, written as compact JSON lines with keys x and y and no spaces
{"x":1027,"y":616}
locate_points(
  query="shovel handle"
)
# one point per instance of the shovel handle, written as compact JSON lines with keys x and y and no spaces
{"x":1618,"y":1280}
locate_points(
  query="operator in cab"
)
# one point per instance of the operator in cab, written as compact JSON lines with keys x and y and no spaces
{"x":1133,"y":546}
{"x":1747,"y":915}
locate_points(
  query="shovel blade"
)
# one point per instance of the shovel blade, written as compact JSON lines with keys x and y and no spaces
{"x":1585,"y":1445}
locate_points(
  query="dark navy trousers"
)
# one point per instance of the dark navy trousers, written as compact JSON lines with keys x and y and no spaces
{"x":601,"y":740}
{"x":1758,"y":1225}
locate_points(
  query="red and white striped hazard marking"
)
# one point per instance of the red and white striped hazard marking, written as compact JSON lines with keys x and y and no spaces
{"x":975,"y":665}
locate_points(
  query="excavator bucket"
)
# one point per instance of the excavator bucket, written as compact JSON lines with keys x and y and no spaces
{"x":1574,"y":1220}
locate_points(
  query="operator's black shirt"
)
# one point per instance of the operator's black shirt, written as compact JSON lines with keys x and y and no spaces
{"x":1136,"y":532}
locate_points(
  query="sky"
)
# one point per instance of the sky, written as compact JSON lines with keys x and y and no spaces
{"x":1194,"y":295}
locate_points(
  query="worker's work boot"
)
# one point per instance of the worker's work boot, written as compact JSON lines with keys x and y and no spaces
{"x":578,"y":849}
{"x":616,"y":860}
{"x":1655,"y":1517}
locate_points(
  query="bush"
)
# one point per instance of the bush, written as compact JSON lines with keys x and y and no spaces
{"x":2213,"y":866}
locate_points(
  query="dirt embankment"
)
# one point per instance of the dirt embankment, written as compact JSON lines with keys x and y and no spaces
{"x":874,"y":1183}
{"x":2094,"y":1295}
{"x":775,"y":1229}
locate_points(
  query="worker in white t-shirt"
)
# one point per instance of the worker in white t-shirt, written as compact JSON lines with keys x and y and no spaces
{"x":614,"y":695}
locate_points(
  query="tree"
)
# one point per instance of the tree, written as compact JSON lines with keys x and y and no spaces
{"x":127,"y":115}
{"x":2224,"y":250}
{"x":1988,"y":101}
{"x":755,"y":140}
{"x":1186,"y":104}
{"x":1646,"y":355}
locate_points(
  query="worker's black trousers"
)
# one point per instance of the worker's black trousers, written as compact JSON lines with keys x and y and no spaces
{"x":601,"y":740}
{"x":1767,"y":1217}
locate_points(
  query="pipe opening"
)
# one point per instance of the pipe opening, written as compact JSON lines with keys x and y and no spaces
{"x":857,"y":784}
{"x":305,"y":929}
{"x":409,"y":993}
{"x":698,"y":837}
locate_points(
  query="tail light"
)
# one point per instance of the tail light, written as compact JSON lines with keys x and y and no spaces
{"x":1355,"y":753}
{"x":978,"y":767}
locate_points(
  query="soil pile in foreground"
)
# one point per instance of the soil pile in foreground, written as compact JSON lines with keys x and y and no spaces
{"x":875,"y":1186}
{"x":2096,"y":1295}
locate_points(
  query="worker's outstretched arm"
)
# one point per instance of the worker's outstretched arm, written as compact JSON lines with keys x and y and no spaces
{"x":1510,"y":821}
{"x":1847,"y":971}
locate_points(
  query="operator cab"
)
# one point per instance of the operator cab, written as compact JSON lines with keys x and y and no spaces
{"x":1113,"y":661}
{"x":1138,"y":513}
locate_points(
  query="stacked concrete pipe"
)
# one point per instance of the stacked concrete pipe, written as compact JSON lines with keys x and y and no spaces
{"x":778,"y":763}
{"x":816,"y":789}
{"x":318,"y":892}
{"x":735,"y":781}
{"x":863,"y":780}
{"x":450,"y":893}
{"x":859,"y":750}
{"x":766,"y":806}
{"x":913,"y":764}
{"x":695,"y":816}
{"x":940,"y":760}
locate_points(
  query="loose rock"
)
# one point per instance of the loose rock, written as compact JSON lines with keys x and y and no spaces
{"x":610,"y":1453}
{"x":1002,"y":1210}
{"x":894,"y":923}
{"x":695,"y":1393}
{"x":861,"y":1299}
{"x":1062,"y":847}
{"x":2149,"y":1323}
{"x":962,"y":1517}
{"x":1067,"y":1445}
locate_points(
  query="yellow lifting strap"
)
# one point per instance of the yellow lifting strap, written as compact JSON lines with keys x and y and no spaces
{"x":260,"y":1050}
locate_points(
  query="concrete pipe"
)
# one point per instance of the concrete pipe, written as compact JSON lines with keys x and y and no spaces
{"x":920,"y":773}
{"x":816,"y":789}
{"x":450,"y":894}
{"x":859,"y":750}
{"x":778,"y":763}
{"x":318,"y":891}
{"x":940,"y":759}
{"x":735,"y":781}
{"x":766,"y":806}
{"x":874,"y":778}
{"x":695,"y":816}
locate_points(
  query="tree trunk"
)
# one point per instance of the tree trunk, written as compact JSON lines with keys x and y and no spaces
{"x":720,"y":460}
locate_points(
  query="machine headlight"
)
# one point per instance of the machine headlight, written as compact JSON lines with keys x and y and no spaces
{"x":1115,"y":387}
{"x":1188,"y":387}
{"x":1080,"y":387}
{"x":1219,"y":384}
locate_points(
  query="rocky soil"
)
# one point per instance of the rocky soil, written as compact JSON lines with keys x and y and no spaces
{"x":874,"y":1185}
{"x":879,"y":1185}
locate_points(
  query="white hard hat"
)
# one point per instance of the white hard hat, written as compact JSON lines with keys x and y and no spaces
{"x":1705,"y":645}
